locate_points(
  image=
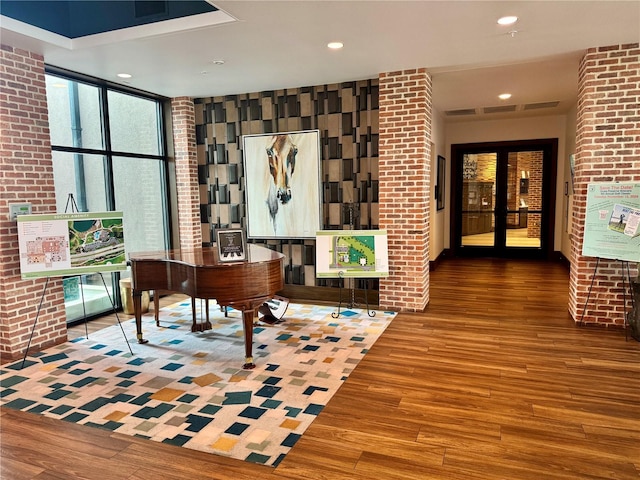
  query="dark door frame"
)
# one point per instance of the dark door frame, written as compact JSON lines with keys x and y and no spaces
{"x":550,"y":164}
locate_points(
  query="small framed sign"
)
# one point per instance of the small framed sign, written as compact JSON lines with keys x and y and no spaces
{"x":232,"y":244}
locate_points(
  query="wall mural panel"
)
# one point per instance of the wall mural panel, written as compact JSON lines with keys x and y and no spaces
{"x":346,"y":116}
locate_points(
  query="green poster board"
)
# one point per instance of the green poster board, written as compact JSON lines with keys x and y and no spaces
{"x":71,"y":244}
{"x":612,"y":223}
{"x":352,"y":253}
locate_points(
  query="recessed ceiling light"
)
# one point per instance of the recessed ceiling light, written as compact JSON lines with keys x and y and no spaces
{"x":124,"y":75}
{"x":504,"y":96}
{"x":217,"y":62}
{"x":508,"y":20}
{"x":335,"y":45}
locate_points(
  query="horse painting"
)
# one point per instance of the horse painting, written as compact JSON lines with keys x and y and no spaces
{"x":281,"y":154}
{"x":282,"y":172}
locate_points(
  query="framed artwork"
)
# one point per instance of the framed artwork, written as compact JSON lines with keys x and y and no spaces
{"x":572,"y":167}
{"x":440,"y":180}
{"x":232,"y":244}
{"x":282,"y":184}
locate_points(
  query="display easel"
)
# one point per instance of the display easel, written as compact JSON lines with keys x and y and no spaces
{"x":74,"y":209}
{"x":352,"y":212}
{"x":624,"y":265}
{"x":370,"y":312}
{"x":611,"y":231}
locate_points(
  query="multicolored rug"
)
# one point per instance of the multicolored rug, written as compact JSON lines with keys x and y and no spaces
{"x":189,"y":389}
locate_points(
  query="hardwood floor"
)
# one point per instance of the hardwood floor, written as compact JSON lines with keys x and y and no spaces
{"x":492,"y":381}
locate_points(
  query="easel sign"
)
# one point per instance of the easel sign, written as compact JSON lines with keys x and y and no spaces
{"x":352,"y":253}
{"x":71,"y":244}
{"x":66,"y":244}
{"x":612,"y":224}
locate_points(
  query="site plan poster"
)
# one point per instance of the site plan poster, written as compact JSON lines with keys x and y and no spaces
{"x":613,"y":217}
{"x":70,"y":244}
{"x":352,"y":253}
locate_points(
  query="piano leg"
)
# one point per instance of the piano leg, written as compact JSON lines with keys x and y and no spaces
{"x":247,"y":318}
{"x":137,"y":310}
{"x":156,"y":307}
{"x":199,"y":326}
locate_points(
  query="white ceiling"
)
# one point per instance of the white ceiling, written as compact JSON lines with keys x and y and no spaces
{"x":268,"y":45}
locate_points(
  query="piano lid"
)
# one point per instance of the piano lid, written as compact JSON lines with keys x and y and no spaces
{"x":207,"y":256}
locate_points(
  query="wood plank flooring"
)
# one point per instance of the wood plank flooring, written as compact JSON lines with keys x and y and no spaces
{"x":492,"y":381}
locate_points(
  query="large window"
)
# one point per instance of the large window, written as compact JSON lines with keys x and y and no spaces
{"x":108,"y":154}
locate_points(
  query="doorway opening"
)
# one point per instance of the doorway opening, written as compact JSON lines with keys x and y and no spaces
{"x":504,"y":198}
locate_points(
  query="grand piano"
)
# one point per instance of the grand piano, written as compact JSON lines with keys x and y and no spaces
{"x":199,"y":273}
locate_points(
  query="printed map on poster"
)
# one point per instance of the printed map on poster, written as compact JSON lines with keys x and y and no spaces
{"x":71,"y":244}
{"x":611,"y":225}
{"x":352,"y":253}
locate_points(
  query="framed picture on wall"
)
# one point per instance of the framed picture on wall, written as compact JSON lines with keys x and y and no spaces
{"x":282,"y":172}
{"x":440,"y":179}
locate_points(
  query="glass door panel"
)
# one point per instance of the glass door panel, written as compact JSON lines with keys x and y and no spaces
{"x":524,"y":196}
{"x":478,"y":200}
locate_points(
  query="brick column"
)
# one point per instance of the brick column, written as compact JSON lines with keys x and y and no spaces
{"x":534,"y":197}
{"x":184,"y":140}
{"x":404,"y":174}
{"x":26,"y":175}
{"x":607,"y":150}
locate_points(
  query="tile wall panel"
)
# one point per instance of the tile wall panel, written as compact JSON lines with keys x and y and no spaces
{"x":347,"y":117}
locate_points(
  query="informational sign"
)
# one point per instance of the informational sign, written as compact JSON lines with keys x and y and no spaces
{"x":70,"y":244}
{"x":232,"y":245}
{"x":612,"y":222}
{"x":352,"y":253}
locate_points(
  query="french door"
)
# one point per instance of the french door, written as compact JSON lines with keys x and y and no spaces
{"x":503,"y":201}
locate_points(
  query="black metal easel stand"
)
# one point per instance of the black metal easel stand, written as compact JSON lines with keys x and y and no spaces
{"x":370,"y":312}
{"x":625,"y":265}
{"x":351,"y":210}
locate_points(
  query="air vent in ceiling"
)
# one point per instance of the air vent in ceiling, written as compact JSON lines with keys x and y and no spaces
{"x":458,"y":113}
{"x":148,"y":8}
{"x":500,"y":109}
{"x":533,"y":106}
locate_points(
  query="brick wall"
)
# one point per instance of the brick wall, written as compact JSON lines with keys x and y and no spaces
{"x":26,"y":175}
{"x":404,"y":173}
{"x":607,"y":150}
{"x":184,"y":139}
{"x":534,"y":195}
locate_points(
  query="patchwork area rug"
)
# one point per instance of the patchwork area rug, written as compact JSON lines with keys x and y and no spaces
{"x":189,"y":389}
